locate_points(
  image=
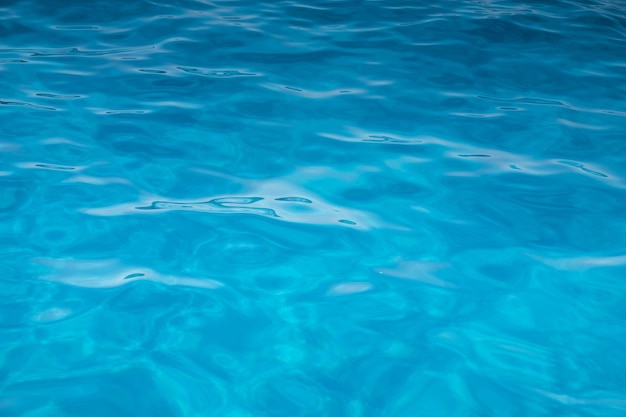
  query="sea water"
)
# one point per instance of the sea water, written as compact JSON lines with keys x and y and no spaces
{"x":243,"y":208}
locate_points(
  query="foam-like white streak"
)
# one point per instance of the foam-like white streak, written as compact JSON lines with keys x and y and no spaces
{"x":349,"y":288}
{"x":582,"y":263}
{"x":419,"y":271}
{"x":111,"y":273}
{"x":278,"y":199}
{"x":490,"y":160}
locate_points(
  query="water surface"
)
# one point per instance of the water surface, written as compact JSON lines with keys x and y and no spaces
{"x":333,"y":208}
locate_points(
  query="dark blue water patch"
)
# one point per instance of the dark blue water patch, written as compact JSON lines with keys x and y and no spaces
{"x":76,"y":401}
{"x":180,"y":83}
{"x":16,"y":195}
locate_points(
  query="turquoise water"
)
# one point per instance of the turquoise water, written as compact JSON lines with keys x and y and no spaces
{"x":334,"y":208}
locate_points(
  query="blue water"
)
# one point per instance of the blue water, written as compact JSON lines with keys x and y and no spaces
{"x":328,"y":208}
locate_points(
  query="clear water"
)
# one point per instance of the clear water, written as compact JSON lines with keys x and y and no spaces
{"x":328,"y":208}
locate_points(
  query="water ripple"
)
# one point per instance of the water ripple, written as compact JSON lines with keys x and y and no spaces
{"x":109,"y":274}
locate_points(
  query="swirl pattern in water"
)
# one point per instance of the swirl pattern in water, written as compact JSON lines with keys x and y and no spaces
{"x":330,"y":208}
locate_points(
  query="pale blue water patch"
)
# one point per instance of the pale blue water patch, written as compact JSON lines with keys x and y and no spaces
{"x":334,"y":208}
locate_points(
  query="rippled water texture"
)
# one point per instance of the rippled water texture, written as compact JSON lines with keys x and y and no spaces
{"x":327,"y":208}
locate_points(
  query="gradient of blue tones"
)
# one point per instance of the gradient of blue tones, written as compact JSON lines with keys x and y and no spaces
{"x":328,"y":208}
